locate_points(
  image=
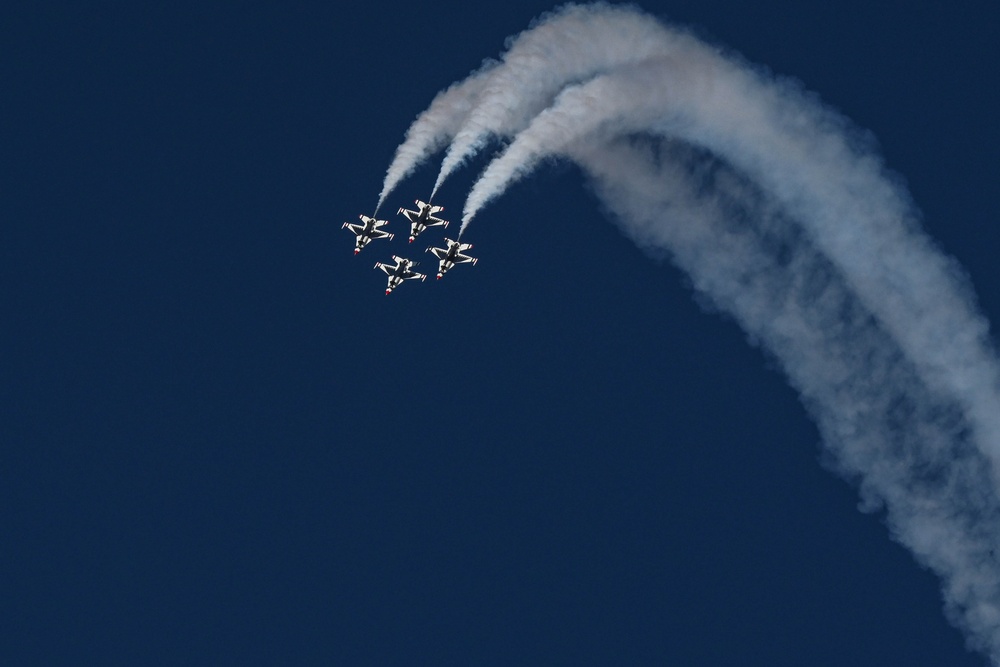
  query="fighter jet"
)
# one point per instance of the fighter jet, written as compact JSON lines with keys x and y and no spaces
{"x":400,"y":272}
{"x":423,"y":218}
{"x":366,"y":232}
{"x":451,"y":255}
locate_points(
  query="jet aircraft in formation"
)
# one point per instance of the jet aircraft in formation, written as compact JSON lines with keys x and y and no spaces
{"x":451,"y":254}
{"x":401,"y":269}
{"x":423,"y":218}
{"x":366,"y":232}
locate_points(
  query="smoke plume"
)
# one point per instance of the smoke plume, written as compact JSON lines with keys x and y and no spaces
{"x":785,"y":218}
{"x":432,"y":129}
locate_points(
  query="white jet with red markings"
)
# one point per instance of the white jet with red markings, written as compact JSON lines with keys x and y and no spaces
{"x":400,"y":271}
{"x":366,"y":232}
{"x":451,"y":254}
{"x":423,"y":218}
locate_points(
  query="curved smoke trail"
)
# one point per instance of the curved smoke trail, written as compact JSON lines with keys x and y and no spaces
{"x":538,"y":65}
{"x":786,"y":219}
{"x":544,"y":59}
{"x":433,"y":128}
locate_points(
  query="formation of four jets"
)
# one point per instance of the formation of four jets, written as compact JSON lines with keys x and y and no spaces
{"x":402,"y":269}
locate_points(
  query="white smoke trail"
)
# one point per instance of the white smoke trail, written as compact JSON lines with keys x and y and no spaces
{"x":469,"y":112}
{"x":908,"y":447}
{"x":433,"y":128}
{"x":814,"y":250}
{"x":560,"y":48}
{"x":799,"y":153}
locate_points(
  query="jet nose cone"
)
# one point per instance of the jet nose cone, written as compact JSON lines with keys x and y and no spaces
{"x":411,"y":239}
{"x":357,"y":250}
{"x":388,"y":291}
{"x":439,"y":276}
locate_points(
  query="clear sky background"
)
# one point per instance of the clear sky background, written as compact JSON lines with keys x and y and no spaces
{"x":221,"y":443}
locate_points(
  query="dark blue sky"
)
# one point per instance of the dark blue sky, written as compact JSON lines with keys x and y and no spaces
{"x":222,"y":444}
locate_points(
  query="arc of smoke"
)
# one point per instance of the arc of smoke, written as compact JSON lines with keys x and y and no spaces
{"x":904,"y":443}
{"x":433,"y":128}
{"x":830,"y":272}
{"x":563,"y":47}
{"x":468,"y":113}
{"x":841,"y":196}
{"x":579,"y":110}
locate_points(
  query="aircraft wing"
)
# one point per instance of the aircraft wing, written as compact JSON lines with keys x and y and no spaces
{"x":386,"y":268}
{"x":353,"y":228}
{"x":440,"y":253}
{"x":434,"y":222}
